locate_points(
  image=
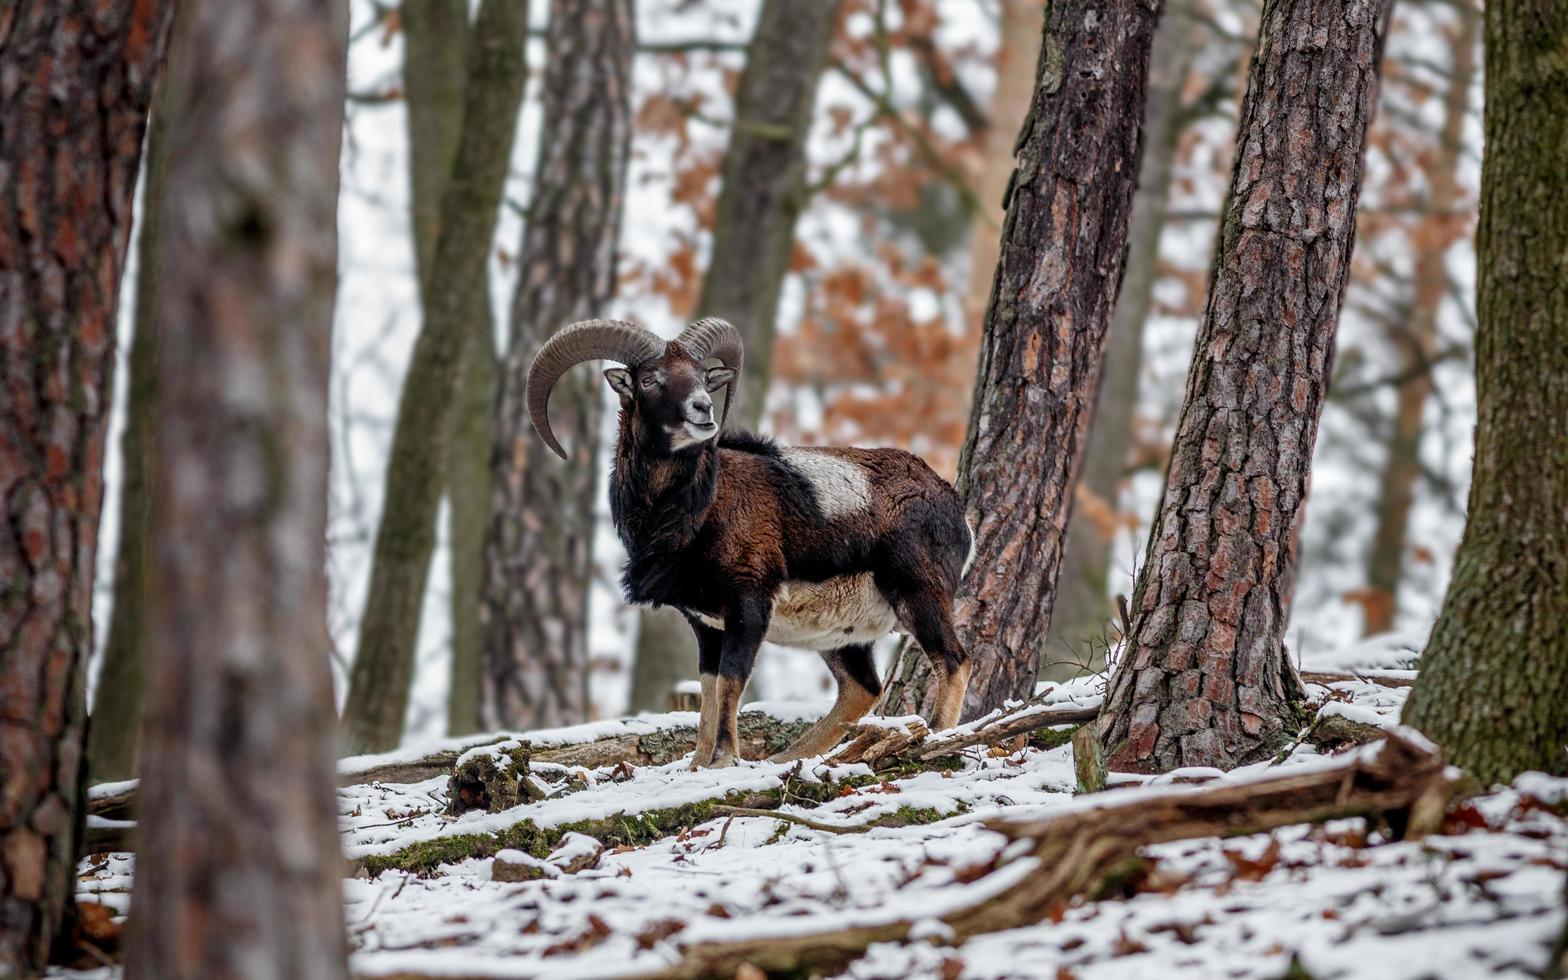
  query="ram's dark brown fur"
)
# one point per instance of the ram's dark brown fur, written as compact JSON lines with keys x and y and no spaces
{"x":826,"y":548}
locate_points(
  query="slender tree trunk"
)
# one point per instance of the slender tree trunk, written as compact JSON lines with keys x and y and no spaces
{"x":1017,"y":56}
{"x":114,"y":738}
{"x":1417,"y":340}
{"x":538,"y":553}
{"x":76,"y":80}
{"x":763,"y":194}
{"x":435,"y":41}
{"x":384,"y":663}
{"x":1063,"y":245}
{"x":1077,"y":639}
{"x":1493,"y":688}
{"x":1203,"y":679}
{"x":239,"y":857}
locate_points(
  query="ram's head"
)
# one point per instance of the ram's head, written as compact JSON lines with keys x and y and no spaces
{"x":668,"y":384}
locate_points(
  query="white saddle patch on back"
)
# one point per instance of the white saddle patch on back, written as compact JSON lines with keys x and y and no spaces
{"x":839,"y":486}
{"x":837,"y":612}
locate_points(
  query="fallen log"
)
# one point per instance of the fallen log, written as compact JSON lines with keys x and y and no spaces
{"x":1382,"y":679}
{"x":1401,"y":780}
{"x":761,"y":735}
{"x":889,"y":742}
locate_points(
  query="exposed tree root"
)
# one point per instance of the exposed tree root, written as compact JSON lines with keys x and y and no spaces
{"x":1076,"y":853}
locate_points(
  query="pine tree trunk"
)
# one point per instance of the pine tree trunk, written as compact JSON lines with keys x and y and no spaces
{"x":435,"y":38}
{"x":1046,"y":329}
{"x":539,"y":549}
{"x":1417,"y":339}
{"x":76,"y":80}
{"x":1076,"y":641}
{"x":763,"y":194}
{"x":114,"y":737}
{"x":1203,"y":679}
{"x":1493,"y":688}
{"x":384,"y":662}
{"x":238,"y":863}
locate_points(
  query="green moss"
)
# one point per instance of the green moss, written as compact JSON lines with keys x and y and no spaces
{"x":1045,"y":739}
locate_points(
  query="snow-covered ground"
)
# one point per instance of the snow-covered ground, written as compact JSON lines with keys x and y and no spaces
{"x":1482,"y":899}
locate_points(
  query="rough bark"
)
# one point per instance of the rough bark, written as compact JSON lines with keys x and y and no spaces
{"x":1203,"y":679}
{"x":1416,"y":340}
{"x":114,"y":738}
{"x":240,"y":847}
{"x":76,"y":80}
{"x":538,"y":556}
{"x":384,"y":662}
{"x":1077,"y":638}
{"x":763,"y":193}
{"x":435,"y":39}
{"x":1493,"y":687}
{"x":1401,"y":781}
{"x":1063,"y":245}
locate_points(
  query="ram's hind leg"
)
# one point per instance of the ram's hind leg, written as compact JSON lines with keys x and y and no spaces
{"x":925,"y":611}
{"x":709,"y":644}
{"x":858,"y":689}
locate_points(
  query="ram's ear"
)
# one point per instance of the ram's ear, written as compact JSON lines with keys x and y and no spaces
{"x":718,"y":377}
{"x":621,"y":380}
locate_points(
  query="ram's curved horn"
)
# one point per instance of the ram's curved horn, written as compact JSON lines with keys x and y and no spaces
{"x":588,"y":340}
{"x":713,"y":337}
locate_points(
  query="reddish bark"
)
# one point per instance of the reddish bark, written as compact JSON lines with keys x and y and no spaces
{"x":1203,"y":679}
{"x":76,"y":80}
{"x":1063,"y":247}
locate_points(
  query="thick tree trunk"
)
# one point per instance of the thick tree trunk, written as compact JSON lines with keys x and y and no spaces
{"x":1417,"y":339}
{"x":239,"y":850}
{"x":1077,"y":638}
{"x":114,"y":737}
{"x":1203,"y":679}
{"x":384,"y":663}
{"x":538,"y":552}
{"x":1063,"y":245}
{"x":76,"y":80}
{"x":763,"y":194}
{"x":1493,"y":687}
{"x":435,"y":38}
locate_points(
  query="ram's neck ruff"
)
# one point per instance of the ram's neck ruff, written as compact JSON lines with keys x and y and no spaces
{"x":659,"y":500}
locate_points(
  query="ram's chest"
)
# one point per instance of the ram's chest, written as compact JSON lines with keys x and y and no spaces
{"x":827,"y":615}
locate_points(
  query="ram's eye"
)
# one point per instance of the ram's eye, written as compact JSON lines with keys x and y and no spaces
{"x":649,"y":381}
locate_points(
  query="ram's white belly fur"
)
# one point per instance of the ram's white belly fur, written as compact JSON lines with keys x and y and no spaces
{"x":826,"y":615}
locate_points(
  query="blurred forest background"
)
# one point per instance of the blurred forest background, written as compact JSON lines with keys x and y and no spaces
{"x":907,"y":145}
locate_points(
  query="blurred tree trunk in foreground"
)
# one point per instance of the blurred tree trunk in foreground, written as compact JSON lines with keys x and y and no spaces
{"x":239,"y":863}
{"x":76,"y":80}
{"x":435,"y":43}
{"x":1204,"y":680}
{"x":1417,"y":338}
{"x":114,"y":737}
{"x":538,"y":552}
{"x":1076,"y":641}
{"x":1060,"y":266}
{"x":763,"y":193}
{"x":384,"y":661}
{"x":1493,"y":688}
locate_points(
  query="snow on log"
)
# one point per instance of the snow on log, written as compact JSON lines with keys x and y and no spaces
{"x":1096,"y":841}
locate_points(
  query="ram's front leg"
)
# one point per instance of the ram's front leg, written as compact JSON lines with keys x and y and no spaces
{"x":745,"y":624}
{"x":710,"y":647}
